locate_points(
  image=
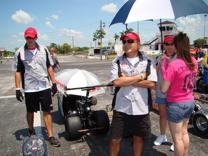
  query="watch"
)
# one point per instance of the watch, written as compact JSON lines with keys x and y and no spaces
{"x":142,"y":76}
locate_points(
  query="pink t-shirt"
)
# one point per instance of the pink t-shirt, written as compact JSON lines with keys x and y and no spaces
{"x":182,"y":80}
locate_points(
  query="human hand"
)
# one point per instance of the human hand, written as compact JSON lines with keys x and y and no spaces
{"x":19,"y":95}
{"x":54,"y":89}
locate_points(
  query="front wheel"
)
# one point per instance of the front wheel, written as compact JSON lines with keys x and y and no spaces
{"x":72,"y":125}
{"x":200,"y":123}
{"x":101,"y":121}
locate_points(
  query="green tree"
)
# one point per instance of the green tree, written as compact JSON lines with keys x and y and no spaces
{"x":199,"y":43}
{"x":100,"y":35}
{"x":116,"y":37}
{"x":95,"y":38}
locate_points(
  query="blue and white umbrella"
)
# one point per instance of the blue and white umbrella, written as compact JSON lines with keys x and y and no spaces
{"x":139,"y":10}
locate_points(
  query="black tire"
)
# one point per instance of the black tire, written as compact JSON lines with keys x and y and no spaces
{"x":200,"y":123}
{"x":72,"y":125}
{"x":201,"y":86}
{"x":101,"y":121}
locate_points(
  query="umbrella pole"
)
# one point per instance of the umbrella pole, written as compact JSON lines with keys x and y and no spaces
{"x":161,"y":35}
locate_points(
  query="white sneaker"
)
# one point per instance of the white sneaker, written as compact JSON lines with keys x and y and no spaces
{"x":172,"y":147}
{"x":160,"y":139}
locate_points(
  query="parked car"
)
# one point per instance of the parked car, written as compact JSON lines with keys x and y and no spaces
{"x":107,"y":50}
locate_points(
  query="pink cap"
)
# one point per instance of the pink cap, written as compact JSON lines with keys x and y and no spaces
{"x":31,"y":32}
{"x":169,"y":39}
{"x":131,"y":35}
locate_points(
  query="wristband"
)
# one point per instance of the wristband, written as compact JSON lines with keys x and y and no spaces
{"x":18,"y":88}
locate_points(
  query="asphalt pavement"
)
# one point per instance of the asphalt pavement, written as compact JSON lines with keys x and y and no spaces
{"x":13,"y":126}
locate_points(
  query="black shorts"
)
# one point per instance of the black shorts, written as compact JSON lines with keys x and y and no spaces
{"x":131,"y":125}
{"x":33,"y":101}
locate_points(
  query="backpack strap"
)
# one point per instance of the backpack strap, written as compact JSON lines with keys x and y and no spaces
{"x":148,"y":71}
{"x":116,"y":88}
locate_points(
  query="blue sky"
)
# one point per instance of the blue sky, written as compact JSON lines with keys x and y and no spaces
{"x":58,"y":20}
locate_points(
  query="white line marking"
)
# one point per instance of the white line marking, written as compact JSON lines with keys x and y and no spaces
{"x":7,"y":97}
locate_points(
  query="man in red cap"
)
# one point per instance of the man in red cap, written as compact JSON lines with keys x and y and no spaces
{"x":133,"y":73}
{"x":34,"y":68}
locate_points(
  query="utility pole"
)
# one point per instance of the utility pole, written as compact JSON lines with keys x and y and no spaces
{"x":205,"y":15}
{"x":73,"y":45}
{"x":138,"y":27}
{"x":102,"y":24}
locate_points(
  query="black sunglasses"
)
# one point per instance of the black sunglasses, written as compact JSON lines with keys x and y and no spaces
{"x":169,"y":44}
{"x":128,"y":41}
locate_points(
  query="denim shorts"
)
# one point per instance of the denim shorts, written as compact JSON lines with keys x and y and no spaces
{"x":161,"y":101}
{"x":177,"y":111}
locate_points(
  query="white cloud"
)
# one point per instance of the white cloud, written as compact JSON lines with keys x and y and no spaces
{"x":71,"y":32}
{"x":21,"y":16}
{"x":111,"y":8}
{"x":48,"y":24}
{"x":55,"y":17}
{"x":192,"y":25}
{"x":43,"y":37}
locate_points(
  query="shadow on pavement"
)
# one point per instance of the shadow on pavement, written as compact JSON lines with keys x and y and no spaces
{"x":23,"y":133}
{"x":192,"y":131}
{"x":99,"y":146}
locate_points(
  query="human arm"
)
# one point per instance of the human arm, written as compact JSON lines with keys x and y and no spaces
{"x":124,"y":80}
{"x":145,"y":84}
{"x":51,"y":74}
{"x":164,"y":86}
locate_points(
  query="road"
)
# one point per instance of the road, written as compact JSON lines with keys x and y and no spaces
{"x":13,"y":125}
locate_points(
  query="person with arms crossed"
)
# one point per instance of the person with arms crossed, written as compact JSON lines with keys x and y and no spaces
{"x":178,"y":84}
{"x":131,"y":111}
{"x":168,"y":55}
{"x":34,"y":68}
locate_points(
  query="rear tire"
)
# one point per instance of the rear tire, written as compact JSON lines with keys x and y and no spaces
{"x":72,"y":125}
{"x":200,"y":123}
{"x":101,"y":121}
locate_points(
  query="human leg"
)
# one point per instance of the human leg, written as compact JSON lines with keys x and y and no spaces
{"x":32,"y":105}
{"x":163,"y":118}
{"x":176,"y":130}
{"x":178,"y":117}
{"x":138,"y":144}
{"x":117,"y":130}
{"x":48,"y":123}
{"x":46,"y":106}
{"x":163,"y":121}
{"x":114,"y":147}
{"x":30,"y":121}
{"x":185,"y":136}
{"x":141,"y":129}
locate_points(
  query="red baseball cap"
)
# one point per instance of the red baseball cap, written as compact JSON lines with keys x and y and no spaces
{"x":131,"y":35}
{"x":31,"y":32}
{"x":169,"y":39}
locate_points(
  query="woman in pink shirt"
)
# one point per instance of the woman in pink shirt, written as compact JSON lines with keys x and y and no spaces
{"x":178,"y":83}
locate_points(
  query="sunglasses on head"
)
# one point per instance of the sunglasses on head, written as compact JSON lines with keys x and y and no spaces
{"x":130,"y":41}
{"x":169,"y":44}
